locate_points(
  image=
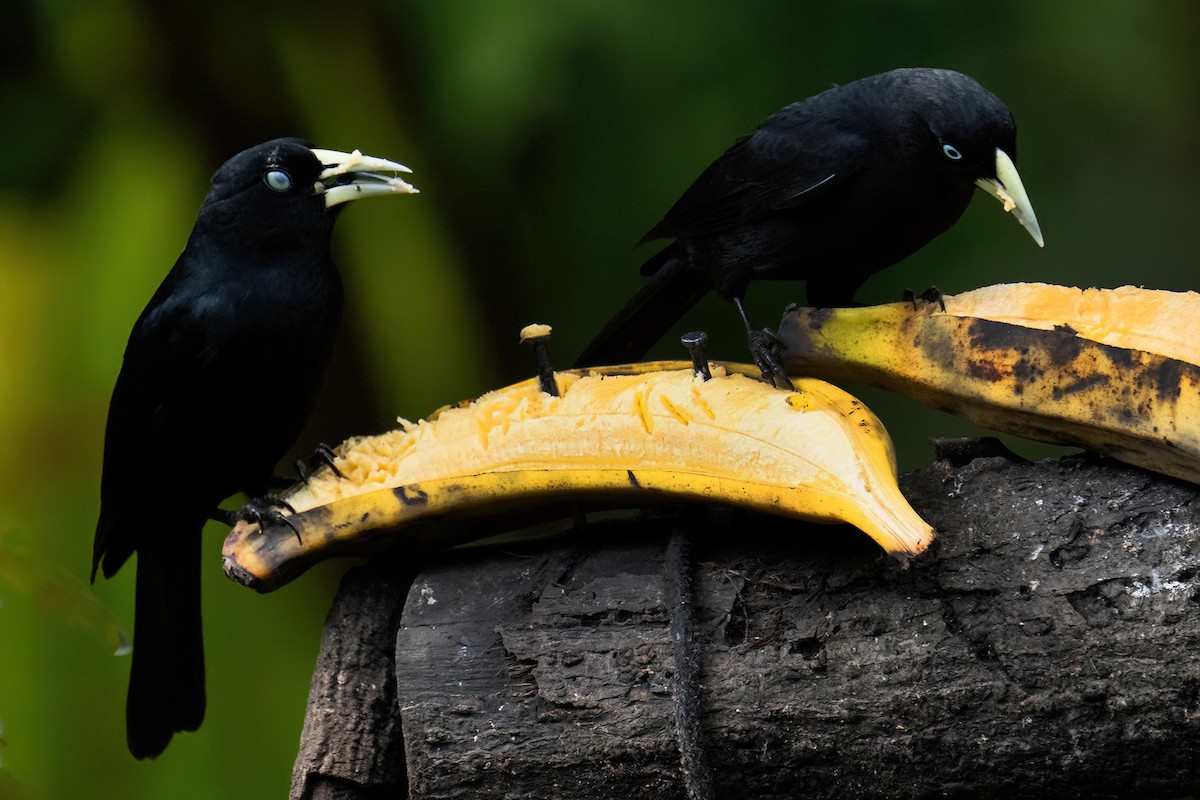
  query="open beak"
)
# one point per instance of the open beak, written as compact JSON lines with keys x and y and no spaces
{"x":1008,"y":189}
{"x":349,"y":176}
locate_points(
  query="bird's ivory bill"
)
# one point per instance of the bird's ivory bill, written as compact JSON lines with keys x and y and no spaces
{"x":338,"y":163}
{"x":365,"y":176}
{"x":1008,"y":189}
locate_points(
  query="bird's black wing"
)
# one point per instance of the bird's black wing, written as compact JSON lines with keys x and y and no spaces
{"x":171,"y":352}
{"x":152,"y":502}
{"x":793,"y":158}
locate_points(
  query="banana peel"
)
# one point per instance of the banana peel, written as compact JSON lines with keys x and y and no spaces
{"x":636,"y":435}
{"x":1111,"y":370}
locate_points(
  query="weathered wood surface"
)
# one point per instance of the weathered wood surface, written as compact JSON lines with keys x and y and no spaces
{"x":1046,"y":646}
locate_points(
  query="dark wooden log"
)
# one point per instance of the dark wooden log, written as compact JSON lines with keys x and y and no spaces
{"x":1045,"y":646}
{"x":351,"y":745}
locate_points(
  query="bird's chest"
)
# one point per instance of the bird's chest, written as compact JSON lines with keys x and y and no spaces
{"x":243,"y":362}
{"x":274,"y":316}
{"x":217,"y":334}
{"x":876,"y":222}
{"x":890,"y":214}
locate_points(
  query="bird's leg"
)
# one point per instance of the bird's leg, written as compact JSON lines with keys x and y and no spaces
{"x":764,"y":349}
{"x":264,"y":511}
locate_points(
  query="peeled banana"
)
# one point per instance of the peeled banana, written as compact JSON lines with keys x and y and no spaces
{"x":1111,"y":370}
{"x":644,"y":434}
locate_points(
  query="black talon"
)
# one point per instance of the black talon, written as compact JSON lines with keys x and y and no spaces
{"x":764,"y":349}
{"x":933,"y":295}
{"x":696,"y":343}
{"x":274,"y":501}
{"x":263,"y":511}
{"x":537,"y":336}
{"x":324,"y":455}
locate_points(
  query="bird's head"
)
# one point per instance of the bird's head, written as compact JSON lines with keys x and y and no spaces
{"x":968,"y":135}
{"x":286,"y":190}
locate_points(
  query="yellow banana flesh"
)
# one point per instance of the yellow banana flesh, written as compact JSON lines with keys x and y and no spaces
{"x":1153,"y":320}
{"x":1114,"y":371}
{"x":637,"y":435}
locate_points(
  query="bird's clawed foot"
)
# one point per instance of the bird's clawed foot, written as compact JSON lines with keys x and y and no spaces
{"x":323,"y":456}
{"x":265,"y":511}
{"x":765,"y":349}
{"x":931,"y":295}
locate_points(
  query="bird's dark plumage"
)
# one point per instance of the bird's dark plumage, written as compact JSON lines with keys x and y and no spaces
{"x":828,"y":190}
{"x":220,"y":373}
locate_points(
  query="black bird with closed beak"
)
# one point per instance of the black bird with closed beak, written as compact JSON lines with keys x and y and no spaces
{"x":828,"y":190}
{"x":220,"y":374}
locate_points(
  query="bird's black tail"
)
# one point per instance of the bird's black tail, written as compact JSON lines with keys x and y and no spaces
{"x":166,"y":679}
{"x":666,"y":296}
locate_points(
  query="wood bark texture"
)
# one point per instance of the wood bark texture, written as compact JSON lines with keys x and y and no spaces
{"x":1047,"y":645}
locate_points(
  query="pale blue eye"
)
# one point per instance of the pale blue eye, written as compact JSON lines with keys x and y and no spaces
{"x":951,"y":152}
{"x":277,"y":180}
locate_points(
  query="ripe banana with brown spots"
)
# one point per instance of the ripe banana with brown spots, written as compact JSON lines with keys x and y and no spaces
{"x":618,"y":436}
{"x":1111,"y":370}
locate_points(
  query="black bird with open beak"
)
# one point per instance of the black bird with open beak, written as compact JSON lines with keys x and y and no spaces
{"x":220,"y":374}
{"x":828,"y":190}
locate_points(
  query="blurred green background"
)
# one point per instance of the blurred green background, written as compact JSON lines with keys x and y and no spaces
{"x":546,"y":137}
